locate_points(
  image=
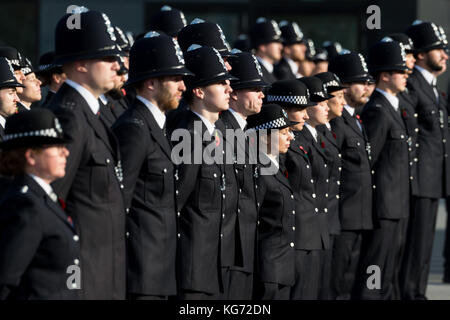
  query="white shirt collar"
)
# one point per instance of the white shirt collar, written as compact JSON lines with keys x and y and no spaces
{"x":209,"y":126}
{"x":429,"y":77}
{"x":393,"y":100}
{"x":2,"y":122}
{"x":156,"y":112}
{"x":44,"y":185}
{"x":312,"y":130}
{"x":103,"y":99}
{"x":328,"y":125}
{"x":266,"y":64}
{"x":89,"y":97}
{"x":242,"y":122}
{"x":293,"y":66}
{"x":350,"y":109}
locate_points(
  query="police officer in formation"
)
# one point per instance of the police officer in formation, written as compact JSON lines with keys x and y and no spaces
{"x":199,"y":172}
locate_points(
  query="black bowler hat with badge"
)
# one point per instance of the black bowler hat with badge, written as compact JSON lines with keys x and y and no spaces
{"x":290,"y":94}
{"x":14,"y":56}
{"x":403,"y":39}
{"x":122,"y":41}
{"x":290,"y":33}
{"x":350,"y":67}
{"x":169,"y":20}
{"x":427,"y":36}
{"x":204,"y":33}
{"x":7,"y":78}
{"x":330,"y":81}
{"x":265,"y":31}
{"x":247,"y":69}
{"x":316,"y":88}
{"x":47,"y":65}
{"x":34,"y":128}
{"x":332,"y":48}
{"x":387,"y":55}
{"x":208,"y":66}
{"x":94,"y":39}
{"x":156,"y":55}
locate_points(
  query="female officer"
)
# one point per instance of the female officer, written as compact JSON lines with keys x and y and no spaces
{"x":39,"y":248}
{"x":276,"y":225}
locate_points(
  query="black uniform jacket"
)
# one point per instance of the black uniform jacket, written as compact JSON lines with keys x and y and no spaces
{"x":433,"y":167}
{"x":388,"y":138}
{"x":93,"y":194}
{"x":334,"y":161}
{"x":37,"y":245}
{"x":247,"y":211}
{"x":150,"y":196}
{"x":276,"y":228}
{"x":310,"y":226}
{"x":355,"y":199}
{"x":200,"y":198}
{"x":283,"y":71}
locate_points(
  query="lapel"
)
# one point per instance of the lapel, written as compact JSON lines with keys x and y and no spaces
{"x":297,"y":147}
{"x":351,"y":122}
{"x":327,"y":134}
{"x":387,"y":105}
{"x":316,"y":145}
{"x":282,"y":178}
{"x":37,"y":189}
{"x":230,"y":122}
{"x":424,"y":85}
{"x":155,"y":130}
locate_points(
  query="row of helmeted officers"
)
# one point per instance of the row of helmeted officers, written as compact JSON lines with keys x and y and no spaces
{"x":96,"y":205}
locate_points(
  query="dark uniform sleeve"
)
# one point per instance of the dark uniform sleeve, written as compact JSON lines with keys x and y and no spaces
{"x":375,"y":124}
{"x":133,"y":143}
{"x":73,"y":128}
{"x":20,"y":237}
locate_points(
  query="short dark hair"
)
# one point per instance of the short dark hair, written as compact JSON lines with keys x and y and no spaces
{"x":12,"y":162}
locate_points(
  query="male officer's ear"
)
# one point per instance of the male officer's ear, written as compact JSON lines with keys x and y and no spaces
{"x":199,"y":93}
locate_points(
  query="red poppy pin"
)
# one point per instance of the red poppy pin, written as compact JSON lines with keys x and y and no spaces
{"x":62,"y":203}
{"x":124,"y":92}
{"x":334,"y":135}
{"x":303,"y":149}
{"x":443,"y":94}
{"x":404,"y":113}
{"x":322,"y":144}
{"x":286,"y":174}
{"x":358,"y":117}
{"x":217,"y":138}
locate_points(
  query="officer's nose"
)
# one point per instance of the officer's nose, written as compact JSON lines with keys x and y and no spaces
{"x":116,"y":66}
{"x":182,"y":86}
{"x":227,"y":65}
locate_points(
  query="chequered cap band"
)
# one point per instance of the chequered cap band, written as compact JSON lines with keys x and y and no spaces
{"x":38,"y":133}
{"x":290,"y":99}
{"x":274,"y":124}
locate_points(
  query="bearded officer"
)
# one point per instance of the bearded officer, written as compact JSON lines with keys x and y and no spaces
{"x":156,"y":71}
{"x":92,"y":186}
{"x":433,"y":166}
{"x":355,"y":200}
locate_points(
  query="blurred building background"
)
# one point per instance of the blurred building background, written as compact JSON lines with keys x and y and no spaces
{"x":29,"y":24}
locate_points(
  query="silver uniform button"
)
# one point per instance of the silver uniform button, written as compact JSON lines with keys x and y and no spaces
{"x":416,"y":129}
{"x":338,"y":183}
{"x":240,"y":190}
{"x":340,"y":168}
{"x":373,"y":171}
{"x":313,"y":195}
{"x":417,"y":145}
{"x":239,"y":210}
{"x":374,"y":186}
{"x":307,"y":166}
{"x":292,"y":244}
{"x":411,"y":177}
{"x":178,"y":214}
{"x":165,"y":170}
{"x":326,"y":195}
{"x":293,"y":228}
{"x":215,"y":175}
{"x":76,"y":238}
{"x":358,"y":144}
{"x":108,"y":161}
{"x":179,"y":236}
{"x":410,"y":163}
{"x":223,"y":215}
{"x":127,"y":234}
{"x":402,"y":137}
{"x":415,"y":115}
{"x":127,"y":210}
{"x":325,"y":210}
{"x":292,"y":196}
{"x":325,"y":165}
{"x":340,"y":155}
{"x":415,"y":159}
{"x":76,"y":261}
{"x":176,"y":192}
{"x":312,"y":181}
{"x":293,"y":211}
{"x":221,"y":235}
{"x":316,"y":210}
{"x":444,"y":140}
{"x":327,"y":180}
{"x":337,"y":196}
{"x":121,"y":186}
{"x":223,"y":195}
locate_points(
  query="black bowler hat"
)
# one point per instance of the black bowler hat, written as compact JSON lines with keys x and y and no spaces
{"x":332,"y":48}
{"x":247,"y":69}
{"x":7,"y":78}
{"x":121,"y":40}
{"x":316,"y":88}
{"x":350,"y":67}
{"x":330,"y":81}
{"x":13,"y":56}
{"x":321,"y":55}
{"x":387,"y":55}
{"x":290,"y":93}
{"x":208,"y":66}
{"x":94,"y":39}
{"x":290,"y":33}
{"x":28,"y":66}
{"x":243,"y":43}
{"x":403,"y":39}
{"x":205,"y":34}
{"x":46,"y":64}
{"x":271,"y":116}
{"x":155,"y":55}
{"x":427,"y":36}
{"x":264,"y":31}
{"x":34,"y":128}
{"x":310,"y":49}
{"x":168,"y":20}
